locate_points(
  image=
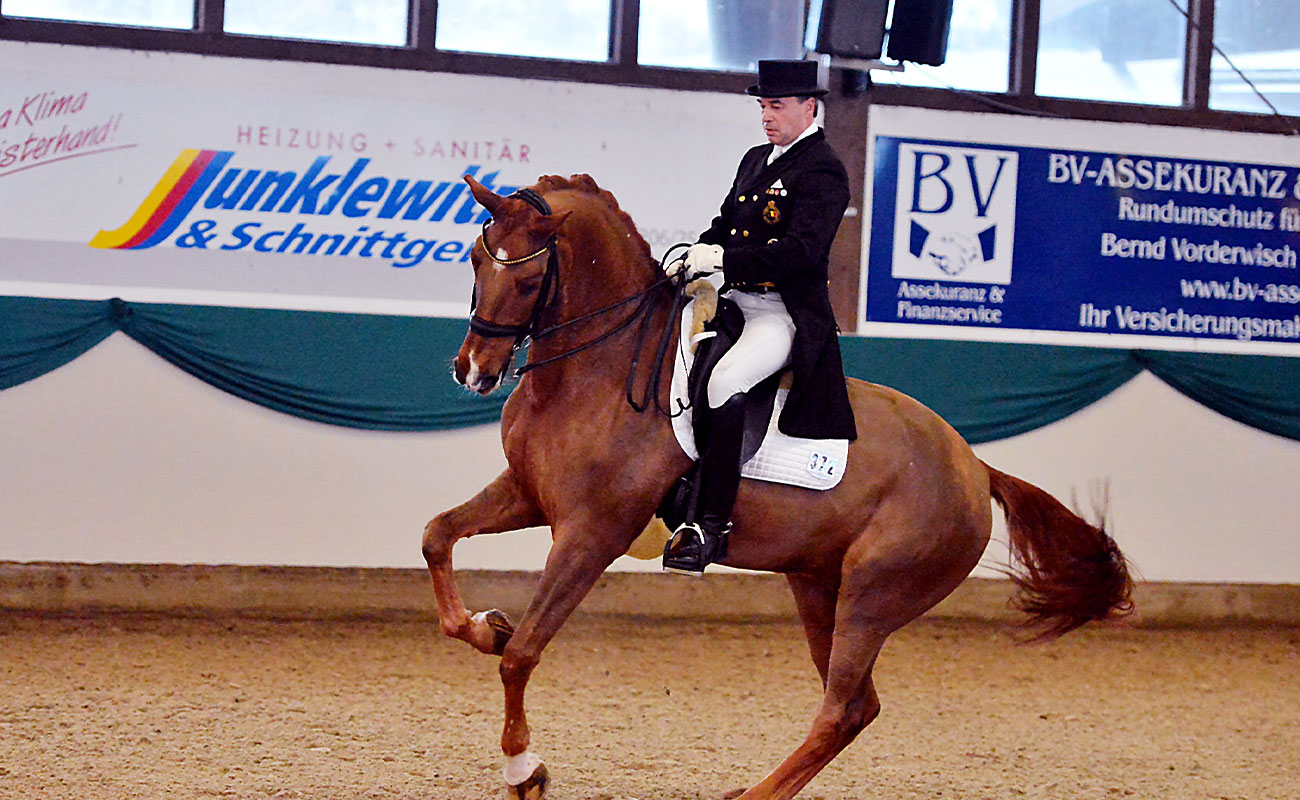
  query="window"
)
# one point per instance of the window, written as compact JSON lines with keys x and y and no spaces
{"x":381,"y":22}
{"x":1126,"y":51}
{"x":577,"y":30}
{"x":979,"y":51}
{"x":144,"y":13}
{"x":1129,"y":51}
{"x":730,"y":35}
{"x":1262,"y":38}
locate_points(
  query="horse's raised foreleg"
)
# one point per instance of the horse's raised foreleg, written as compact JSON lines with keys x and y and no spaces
{"x":501,"y":506}
{"x":578,"y":557}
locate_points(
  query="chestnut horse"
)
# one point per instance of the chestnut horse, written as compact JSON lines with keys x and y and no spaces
{"x":909,"y":520}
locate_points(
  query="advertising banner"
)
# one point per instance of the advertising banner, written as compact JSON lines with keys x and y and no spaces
{"x":178,"y":178}
{"x":1142,"y":237}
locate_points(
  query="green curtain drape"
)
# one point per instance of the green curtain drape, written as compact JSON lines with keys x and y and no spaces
{"x":990,"y":391}
{"x":357,"y":370}
{"x":1263,"y":393}
{"x":391,"y":373}
{"x":38,"y":335}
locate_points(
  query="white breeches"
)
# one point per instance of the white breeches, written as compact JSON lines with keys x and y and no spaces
{"x":762,"y":349}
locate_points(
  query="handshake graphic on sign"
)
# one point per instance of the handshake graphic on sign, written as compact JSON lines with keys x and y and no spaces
{"x":952,"y":253}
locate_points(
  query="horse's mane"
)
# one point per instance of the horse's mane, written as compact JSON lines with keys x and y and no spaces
{"x":585,"y":184}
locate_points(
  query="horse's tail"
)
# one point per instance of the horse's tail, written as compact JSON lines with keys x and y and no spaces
{"x":1071,"y":572}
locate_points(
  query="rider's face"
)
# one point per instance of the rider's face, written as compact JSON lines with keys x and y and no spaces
{"x":784,"y":118}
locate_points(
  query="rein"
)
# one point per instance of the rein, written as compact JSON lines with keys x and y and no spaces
{"x":644,"y":296}
{"x":653,"y":384}
{"x":531,"y":329}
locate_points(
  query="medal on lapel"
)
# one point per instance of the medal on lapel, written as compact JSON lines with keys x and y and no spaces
{"x":771,"y":214}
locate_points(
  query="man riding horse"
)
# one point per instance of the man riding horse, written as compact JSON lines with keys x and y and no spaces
{"x":562,"y":264}
{"x":768,"y":248}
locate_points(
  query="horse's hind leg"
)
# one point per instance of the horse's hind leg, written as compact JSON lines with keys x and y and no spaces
{"x":848,"y":706}
{"x":886,"y":582}
{"x":815,"y":599}
{"x":501,"y":506}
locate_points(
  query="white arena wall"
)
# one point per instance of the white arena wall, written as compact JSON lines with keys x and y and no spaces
{"x":120,"y":457}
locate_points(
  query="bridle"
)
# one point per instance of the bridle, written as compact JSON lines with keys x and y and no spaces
{"x":531,"y":329}
{"x":521,"y":333}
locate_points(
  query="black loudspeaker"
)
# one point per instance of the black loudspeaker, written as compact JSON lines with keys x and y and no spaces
{"x":919,"y":31}
{"x":846,"y":28}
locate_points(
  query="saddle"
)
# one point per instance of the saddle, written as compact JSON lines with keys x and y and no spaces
{"x":766,"y":453}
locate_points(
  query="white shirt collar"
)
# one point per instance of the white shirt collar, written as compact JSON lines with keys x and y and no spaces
{"x":779,"y":150}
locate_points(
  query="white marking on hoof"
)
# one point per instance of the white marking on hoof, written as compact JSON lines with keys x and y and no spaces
{"x":520,"y":768}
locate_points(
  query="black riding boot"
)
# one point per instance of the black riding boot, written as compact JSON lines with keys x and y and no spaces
{"x":703,"y":540}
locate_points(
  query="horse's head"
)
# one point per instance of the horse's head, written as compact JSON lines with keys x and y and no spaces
{"x":513,"y":281}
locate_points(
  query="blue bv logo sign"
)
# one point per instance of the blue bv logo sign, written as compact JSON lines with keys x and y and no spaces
{"x":1109,"y":249}
{"x":955,"y":213}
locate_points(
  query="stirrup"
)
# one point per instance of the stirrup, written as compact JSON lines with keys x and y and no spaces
{"x":691,"y":549}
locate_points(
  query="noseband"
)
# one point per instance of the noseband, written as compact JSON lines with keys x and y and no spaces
{"x":521,"y":333}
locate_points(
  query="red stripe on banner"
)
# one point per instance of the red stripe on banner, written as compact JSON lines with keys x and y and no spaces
{"x":172,"y":200}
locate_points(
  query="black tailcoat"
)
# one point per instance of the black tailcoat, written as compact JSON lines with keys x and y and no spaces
{"x":776,"y":226}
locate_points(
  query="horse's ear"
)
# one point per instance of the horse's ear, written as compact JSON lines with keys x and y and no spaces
{"x":548,"y":225}
{"x":485,"y":196}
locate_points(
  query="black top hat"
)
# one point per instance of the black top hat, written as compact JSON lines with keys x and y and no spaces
{"x":787,"y":79}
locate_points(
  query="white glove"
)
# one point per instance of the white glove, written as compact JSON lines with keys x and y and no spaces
{"x":703,"y":259}
{"x":675,"y":266}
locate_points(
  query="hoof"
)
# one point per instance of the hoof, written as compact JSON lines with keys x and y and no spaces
{"x":502,"y":629}
{"x":532,"y":789}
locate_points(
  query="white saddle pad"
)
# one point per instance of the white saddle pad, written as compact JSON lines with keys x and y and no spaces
{"x":810,"y":463}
